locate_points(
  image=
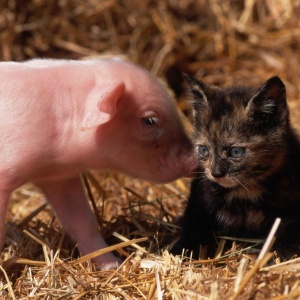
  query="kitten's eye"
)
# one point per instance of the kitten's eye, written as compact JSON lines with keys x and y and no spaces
{"x":150,"y":121}
{"x":203,"y":151}
{"x":236,"y":152}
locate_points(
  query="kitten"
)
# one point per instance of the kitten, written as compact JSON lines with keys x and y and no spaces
{"x":249,"y":167}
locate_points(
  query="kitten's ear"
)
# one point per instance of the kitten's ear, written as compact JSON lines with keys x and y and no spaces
{"x":268,"y":106}
{"x":198,"y":90}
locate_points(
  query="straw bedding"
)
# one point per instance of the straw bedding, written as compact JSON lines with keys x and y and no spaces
{"x":220,"y":41}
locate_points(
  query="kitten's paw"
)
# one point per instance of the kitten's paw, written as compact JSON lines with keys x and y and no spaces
{"x":178,"y":247}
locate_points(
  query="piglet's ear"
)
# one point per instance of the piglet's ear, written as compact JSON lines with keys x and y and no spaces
{"x":101,"y":104}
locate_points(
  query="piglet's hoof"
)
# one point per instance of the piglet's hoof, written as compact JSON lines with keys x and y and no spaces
{"x":107,"y":262}
{"x":112,"y":265}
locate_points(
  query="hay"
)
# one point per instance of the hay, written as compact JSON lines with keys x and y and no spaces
{"x":223,"y":42}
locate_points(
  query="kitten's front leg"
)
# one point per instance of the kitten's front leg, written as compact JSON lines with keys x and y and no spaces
{"x":196,"y":225}
{"x":69,"y":202}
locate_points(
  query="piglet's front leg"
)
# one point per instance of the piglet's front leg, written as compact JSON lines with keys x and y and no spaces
{"x":4,"y":196}
{"x":68,"y":199}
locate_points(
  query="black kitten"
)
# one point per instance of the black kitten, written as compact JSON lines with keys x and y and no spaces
{"x":249,"y":167}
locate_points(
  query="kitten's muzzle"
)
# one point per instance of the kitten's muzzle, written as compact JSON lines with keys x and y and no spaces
{"x":219,"y":168}
{"x":219,"y":174}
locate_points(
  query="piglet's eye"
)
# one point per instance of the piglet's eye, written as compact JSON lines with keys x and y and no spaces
{"x":150,"y":121}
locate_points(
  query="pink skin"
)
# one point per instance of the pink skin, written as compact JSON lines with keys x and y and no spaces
{"x":60,"y":118}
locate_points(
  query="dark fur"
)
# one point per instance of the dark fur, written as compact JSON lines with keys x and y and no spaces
{"x":243,"y":195}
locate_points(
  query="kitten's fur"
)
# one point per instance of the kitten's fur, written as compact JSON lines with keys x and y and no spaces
{"x":249,"y":166}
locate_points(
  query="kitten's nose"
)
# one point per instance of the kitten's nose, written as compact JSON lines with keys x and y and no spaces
{"x":217,"y":173}
{"x":218,"y":169}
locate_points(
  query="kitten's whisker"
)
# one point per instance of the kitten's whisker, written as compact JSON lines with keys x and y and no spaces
{"x":196,"y":173}
{"x":242,"y":184}
{"x":201,"y":179}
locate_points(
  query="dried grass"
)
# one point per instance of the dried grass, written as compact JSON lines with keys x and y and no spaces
{"x":221,"y":41}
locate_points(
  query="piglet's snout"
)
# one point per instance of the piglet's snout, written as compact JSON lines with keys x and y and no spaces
{"x":192,"y":166}
{"x":182,"y":159}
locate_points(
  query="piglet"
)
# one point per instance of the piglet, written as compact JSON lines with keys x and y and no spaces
{"x":59,"y":118}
